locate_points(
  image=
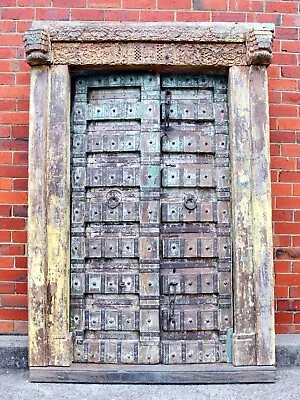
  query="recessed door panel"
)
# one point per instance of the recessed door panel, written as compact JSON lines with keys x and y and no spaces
{"x":150,"y":245}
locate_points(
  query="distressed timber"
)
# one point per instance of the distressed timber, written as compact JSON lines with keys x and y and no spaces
{"x":243,"y":51}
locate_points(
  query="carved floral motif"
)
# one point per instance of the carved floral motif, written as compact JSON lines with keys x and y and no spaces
{"x":37,"y":46}
{"x":259,"y":47}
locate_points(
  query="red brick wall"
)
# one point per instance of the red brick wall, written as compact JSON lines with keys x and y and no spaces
{"x":284,"y":85}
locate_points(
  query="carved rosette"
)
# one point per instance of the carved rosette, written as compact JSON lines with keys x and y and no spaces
{"x":259,"y":47}
{"x":37,"y":46}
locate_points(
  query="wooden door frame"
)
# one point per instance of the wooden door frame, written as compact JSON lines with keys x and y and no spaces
{"x":244,"y":50}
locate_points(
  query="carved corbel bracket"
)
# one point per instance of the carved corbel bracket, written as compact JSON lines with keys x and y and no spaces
{"x":37,"y":47}
{"x":259,"y":47}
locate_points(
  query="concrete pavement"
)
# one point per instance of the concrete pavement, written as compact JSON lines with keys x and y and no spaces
{"x":14,"y":385}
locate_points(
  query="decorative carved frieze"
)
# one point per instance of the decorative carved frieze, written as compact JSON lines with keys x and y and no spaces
{"x":203,"y":44}
{"x":37,"y":46}
{"x":145,"y":53}
{"x":259,"y":47}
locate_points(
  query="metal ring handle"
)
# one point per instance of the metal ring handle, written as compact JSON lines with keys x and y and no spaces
{"x":190,"y":203}
{"x":113,"y":198}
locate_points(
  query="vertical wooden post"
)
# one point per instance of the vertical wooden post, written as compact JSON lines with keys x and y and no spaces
{"x":262,"y":217}
{"x":244,"y":352}
{"x":37,"y":216}
{"x":58,"y":218}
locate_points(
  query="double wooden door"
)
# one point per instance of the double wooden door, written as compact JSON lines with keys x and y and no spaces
{"x":150,"y":243}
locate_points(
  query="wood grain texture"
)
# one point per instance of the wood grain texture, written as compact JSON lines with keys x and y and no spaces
{"x":58,"y":218}
{"x":37,"y":216}
{"x":243,"y":269}
{"x":262,"y":218}
{"x":223,"y":373}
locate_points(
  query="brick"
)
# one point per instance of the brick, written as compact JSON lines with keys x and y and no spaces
{"x":8,"y":26}
{"x":174,"y":4}
{"x":20,"y":131}
{"x":290,"y":71}
{"x":283,"y":305}
{"x":11,"y":249}
{"x":8,"y":105}
{"x":20,"y":157}
{"x":290,"y":149}
{"x":287,"y":202}
{"x":13,"y":314}
{"x":121,"y":15}
{"x":22,"y":78}
{"x":291,"y":97}
{"x":287,"y":227}
{"x":69,"y":3}
{"x":88,"y":15}
{"x":139,"y":4}
{"x":286,"y":163}
{"x":8,"y":92}
{"x":269,"y":18}
{"x":274,"y":71}
{"x":193,"y":16}
{"x":5,"y":210}
{"x":291,"y":20}
{"x":281,"y":6}
{"x":283,"y":110}
{"x":6,"y":326}
{"x":294,"y":291}
{"x":19,"y":237}
{"x":281,"y":189}
{"x":13,"y":197}
{"x":55,"y":14}
{"x":282,"y":84}
{"x":18,"y":118}
{"x":34,"y":3}
{"x":9,"y":39}
{"x":20,"y":327}
{"x":210,"y":5}
{"x":13,"y":144}
{"x":21,"y":262}
{"x":274,"y":150}
{"x":21,"y":288}
{"x":6,"y":262}
{"x":284,"y":318}
{"x":6,"y":158}
{"x":157,"y":16}
{"x":283,"y":329}
{"x":18,"y":13}
{"x":281,"y":291}
{"x":296,"y":265}
{"x":12,"y":300}
{"x":289,"y":176}
{"x":5,"y":184}
{"x":13,"y":275}
{"x":289,"y":123}
{"x":297,"y":215}
{"x":287,"y":33}
{"x":20,"y":210}
{"x":287,"y":279}
{"x":20,"y":185}
{"x":228,"y":17}
{"x":14,"y":171}
{"x":6,"y":52}
{"x":23,"y":105}
{"x":282,"y":215}
{"x":282,"y":137}
{"x":104,"y":3}
{"x":281,"y":266}
{"x":283,"y":58}
{"x":4,"y":132}
{"x":5,"y":236}
{"x":12,"y":223}
{"x":296,"y":239}
{"x":297,"y":319}
{"x":290,"y":46}
{"x":23,"y":26}
{"x":7,"y":287}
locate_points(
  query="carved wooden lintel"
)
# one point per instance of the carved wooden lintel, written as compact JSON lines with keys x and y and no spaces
{"x":203,"y":44}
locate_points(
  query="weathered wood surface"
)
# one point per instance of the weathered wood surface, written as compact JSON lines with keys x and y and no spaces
{"x":58,"y":218}
{"x":244,"y":345}
{"x":262,"y":217}
{"x":156,"y":374}
{"x":37,"y":217}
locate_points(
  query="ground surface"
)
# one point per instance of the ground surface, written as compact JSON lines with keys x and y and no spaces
{"x":14,"y":385}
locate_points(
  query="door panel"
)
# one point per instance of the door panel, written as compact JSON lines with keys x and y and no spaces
{"x":150,"y":245}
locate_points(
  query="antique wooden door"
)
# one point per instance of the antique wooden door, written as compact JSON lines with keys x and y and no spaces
{"x":150,"y":243}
